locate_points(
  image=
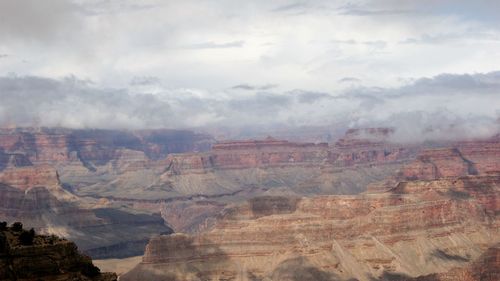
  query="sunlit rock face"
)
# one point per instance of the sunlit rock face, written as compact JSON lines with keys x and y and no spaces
{"x":413,"y":227}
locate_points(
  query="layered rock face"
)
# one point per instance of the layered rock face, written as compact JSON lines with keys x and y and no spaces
{"x":39,"y":166}
{"x":301,"y":168}
{"x":416,"y":228}
{"x":40,"y":202}
{"x":96,"y":147}
{"x":44,"y":258}
{"x":234,"y":171}
{"x":424,"y":222}
{"x":466,"y":158}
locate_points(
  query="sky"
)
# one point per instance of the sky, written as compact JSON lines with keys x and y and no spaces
{"x":428,"y":68}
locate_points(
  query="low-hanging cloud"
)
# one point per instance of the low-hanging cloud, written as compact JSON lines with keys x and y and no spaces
{"x":444,"y":107}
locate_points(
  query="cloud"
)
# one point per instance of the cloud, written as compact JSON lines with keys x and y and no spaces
{"x":294,"y":7}
{"x":216,"y":45}
{"x":144,"y":80}
{"x":349,"y":80}
{"x":254,"y":87}
{"x":443,"y":107}
{"x":309,"y":97}
{"x":38,"y":20}
{"x":28,"y":101}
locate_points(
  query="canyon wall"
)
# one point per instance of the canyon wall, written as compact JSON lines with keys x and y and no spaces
{"x":435,"y":218}
{"x":416,"y":228}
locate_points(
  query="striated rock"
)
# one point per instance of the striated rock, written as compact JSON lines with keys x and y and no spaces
{"x":97,"y":147}
{"x":414,"y":229}
{"x":35,"y":196}
{"x":466,"y":158}
{"x":485,"y":268}
{"x":44,"y":258}
{"x":30,"y":176}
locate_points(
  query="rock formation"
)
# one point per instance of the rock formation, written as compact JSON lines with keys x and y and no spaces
{"x":35,"y":196}
{"x":25,"y":256}
{"x":465,"y":158}
{"x":428,"y":222}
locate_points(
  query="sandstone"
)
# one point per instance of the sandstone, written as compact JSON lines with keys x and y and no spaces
{"x":466,"y":158}
{"x":417,"y":228}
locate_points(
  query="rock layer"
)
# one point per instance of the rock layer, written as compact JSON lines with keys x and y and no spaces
{"x":416,"y":228}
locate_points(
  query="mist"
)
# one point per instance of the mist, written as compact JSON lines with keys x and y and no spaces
{"x":444,"y":107}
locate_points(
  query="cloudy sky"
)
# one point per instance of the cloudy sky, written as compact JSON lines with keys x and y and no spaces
{"x":425,"y":67}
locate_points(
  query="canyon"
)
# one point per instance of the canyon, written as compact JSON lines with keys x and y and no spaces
{"x":35,"y":165}
{"x":434,"y":219}
{"x":359,"y":208}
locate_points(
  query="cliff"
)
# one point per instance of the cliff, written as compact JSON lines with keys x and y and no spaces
{"x":417,"y":228}
{"x":34,"y":195}
{"x":28,"y":257}
{"x":465,"y":158}
{"x":96,"y":147}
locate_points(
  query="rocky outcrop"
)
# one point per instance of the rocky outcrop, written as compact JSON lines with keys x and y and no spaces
{"x":416,"y":228}
{"x":465,"y":158}
{"x":26,"y":257}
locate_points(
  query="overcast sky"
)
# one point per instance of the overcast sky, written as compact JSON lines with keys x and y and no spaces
{"x":420,"y":66}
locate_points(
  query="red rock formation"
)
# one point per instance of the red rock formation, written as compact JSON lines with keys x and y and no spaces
{"x":467,"y":158}
{"x":97,"y":146}
{"x":277,"y":153}
{"x":30,"y":176}
{"x":417,"y":228}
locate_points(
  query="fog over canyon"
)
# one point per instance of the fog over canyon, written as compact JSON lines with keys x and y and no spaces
{"x":249,"y":140}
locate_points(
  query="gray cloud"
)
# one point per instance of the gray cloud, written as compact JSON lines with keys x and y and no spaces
{"x":38,"y":20}
{"x":309,"y":97}
{"x":447,"y":106}
{"x":71,"y":102}
{"x":254,"y":87}
{"x":144,"y":80}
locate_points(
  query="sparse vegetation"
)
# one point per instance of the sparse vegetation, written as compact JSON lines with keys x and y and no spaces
{"x":3,"y":225}
{"x":26,"y":238}
{"x":17,"y":226}
{"x":88,"y":269}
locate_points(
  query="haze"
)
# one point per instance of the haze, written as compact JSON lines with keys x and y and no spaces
{"x":427,"y":68}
